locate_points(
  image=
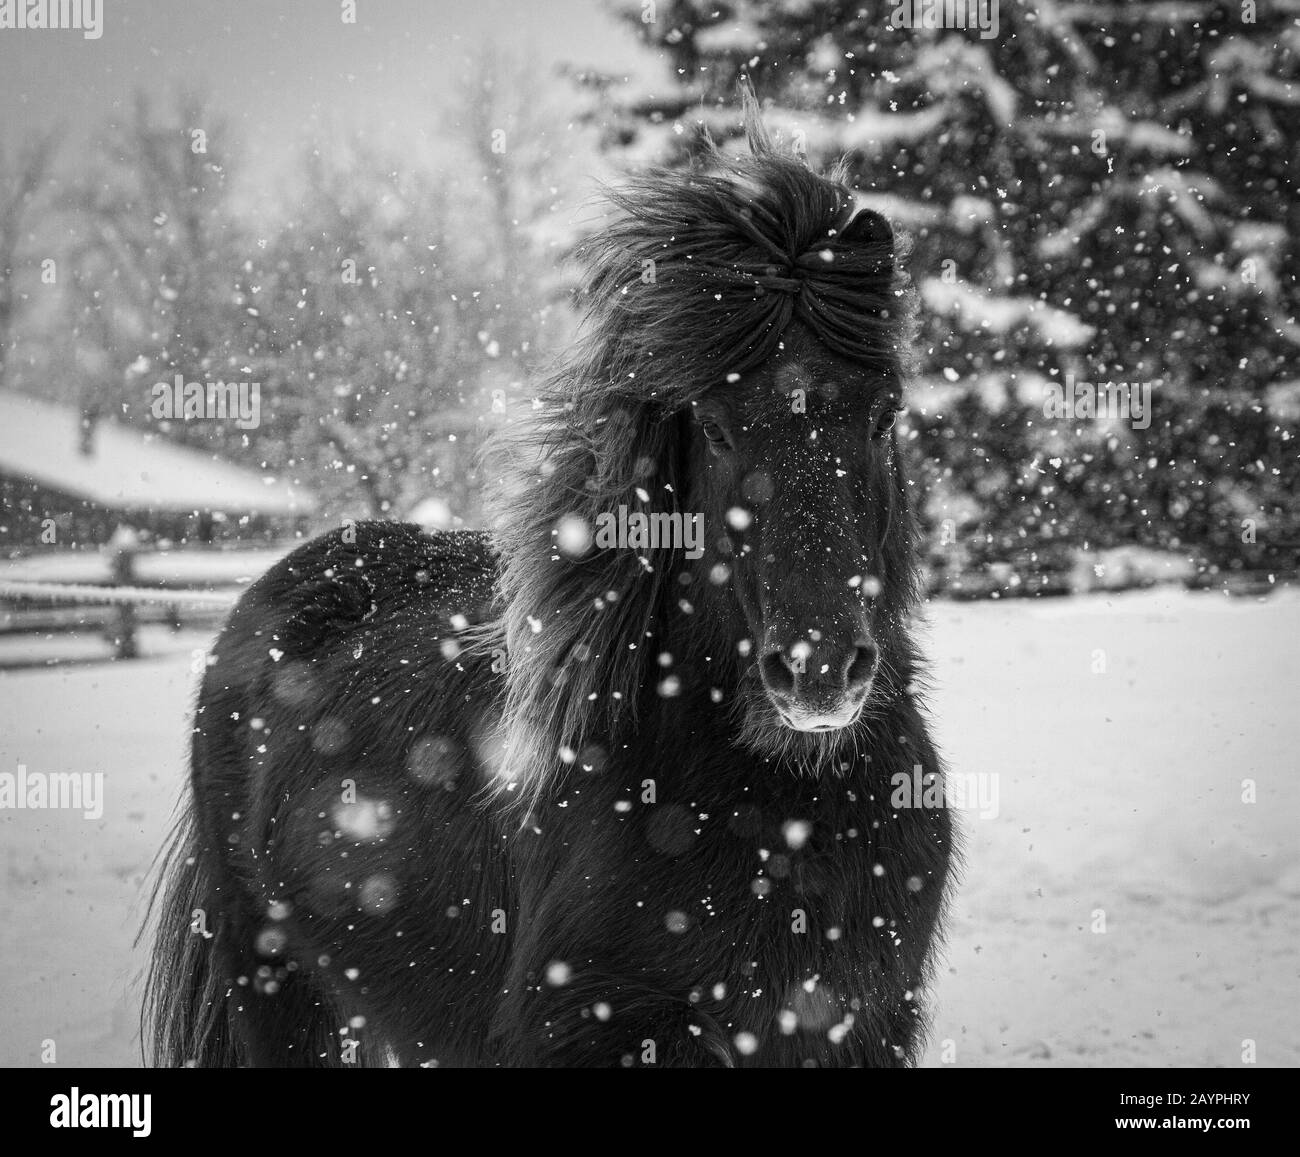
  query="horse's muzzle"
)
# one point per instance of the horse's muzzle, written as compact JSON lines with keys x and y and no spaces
{"x":820,"y":685}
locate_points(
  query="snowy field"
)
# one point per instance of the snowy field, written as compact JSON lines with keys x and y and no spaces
{"x":1118,"y":791}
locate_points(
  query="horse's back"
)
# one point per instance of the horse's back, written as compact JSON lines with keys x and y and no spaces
{"x":350,"y":632}
{"x":344,"y":733}
{"x":368,"y":574}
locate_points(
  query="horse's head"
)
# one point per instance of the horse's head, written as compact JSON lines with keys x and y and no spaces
{"x":743,"y":362}
{"x":800,"y":321}
{"x":795,"y":468}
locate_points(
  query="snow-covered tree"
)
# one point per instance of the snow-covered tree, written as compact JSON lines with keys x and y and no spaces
{"x":1097,"y":193}
{"x":23,"y":174}
{"x":389,"y":306}
{"x":152,"y":258}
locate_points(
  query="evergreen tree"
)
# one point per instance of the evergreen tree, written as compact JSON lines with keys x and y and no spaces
{"x":1098,"y":193}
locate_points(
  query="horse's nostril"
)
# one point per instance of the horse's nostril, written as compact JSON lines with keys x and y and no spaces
{"x":863,"y":666}
{"x":774,"y":670}
{"x":819,"y":672}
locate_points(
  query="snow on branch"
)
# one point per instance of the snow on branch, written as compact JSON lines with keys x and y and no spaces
{"x":977,"y":311}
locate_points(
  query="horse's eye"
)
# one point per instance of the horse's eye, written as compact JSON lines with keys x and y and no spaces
{"x":885,"y":422}
{"x":714,"y":433}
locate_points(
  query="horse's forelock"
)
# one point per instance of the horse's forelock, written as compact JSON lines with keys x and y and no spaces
{"x":701,"y":273}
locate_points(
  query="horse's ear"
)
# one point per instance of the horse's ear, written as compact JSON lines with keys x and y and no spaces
{"x":869,"y":228}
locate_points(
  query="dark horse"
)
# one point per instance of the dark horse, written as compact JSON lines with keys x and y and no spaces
{"x":529,"y":799}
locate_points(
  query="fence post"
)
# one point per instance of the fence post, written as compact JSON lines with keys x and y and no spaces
{"x":125,"y":545}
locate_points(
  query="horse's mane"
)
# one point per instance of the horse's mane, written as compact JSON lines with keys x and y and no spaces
{"x":696,"y":278}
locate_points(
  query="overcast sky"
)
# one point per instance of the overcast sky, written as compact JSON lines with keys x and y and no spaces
{"x":287,"y":71}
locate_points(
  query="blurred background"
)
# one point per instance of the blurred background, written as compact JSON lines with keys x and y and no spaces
{"x":365,"y":209}
{"x":368,"y":218}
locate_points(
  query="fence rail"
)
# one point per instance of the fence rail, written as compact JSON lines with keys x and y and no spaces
{"x":110,"y":595}
{"x":125,"y":603}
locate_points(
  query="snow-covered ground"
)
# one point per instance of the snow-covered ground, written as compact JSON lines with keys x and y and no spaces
{"x":1120,"y":730}
{"x":1122,"y":793}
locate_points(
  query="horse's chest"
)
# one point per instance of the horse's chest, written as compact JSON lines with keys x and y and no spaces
{"x":777,"y":924}
{"x":780,"y":932}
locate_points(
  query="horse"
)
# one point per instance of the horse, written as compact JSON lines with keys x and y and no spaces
{"x":535,"y":797}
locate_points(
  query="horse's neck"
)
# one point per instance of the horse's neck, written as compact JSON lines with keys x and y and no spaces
{"x":700,"y":649}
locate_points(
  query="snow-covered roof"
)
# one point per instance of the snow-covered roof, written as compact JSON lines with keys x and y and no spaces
{"x":127,"y":469}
